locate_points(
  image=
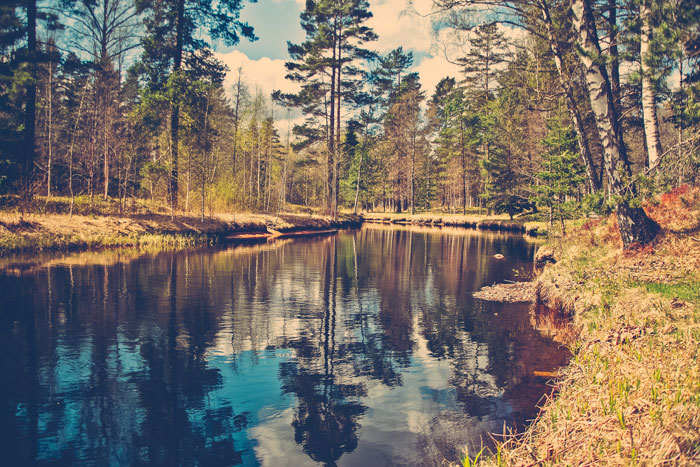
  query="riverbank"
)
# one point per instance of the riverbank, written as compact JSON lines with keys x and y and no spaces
{"x":60,"y":232}
{"x":99,"y":224}
{"x":500,"y":223}
{"x":631,"y":393}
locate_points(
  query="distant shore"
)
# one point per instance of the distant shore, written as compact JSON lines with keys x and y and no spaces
{"x":52,"y":229}
{"x":499,"y":223}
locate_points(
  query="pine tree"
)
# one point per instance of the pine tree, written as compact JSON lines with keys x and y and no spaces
{"x":175,"y":53}
{"x":562,"y":173}
{"x":488,"y":49}
{"x":19,"y":77}
{"x":442,"y":111}
{"x":325,"y":65}
{"x":13,"y":76}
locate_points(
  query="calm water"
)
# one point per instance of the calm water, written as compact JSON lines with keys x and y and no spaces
{"x":364,"y":348}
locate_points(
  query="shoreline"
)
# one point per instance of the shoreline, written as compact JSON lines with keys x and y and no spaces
{"x":470,"y":221}
{"x":33,"y":233}
{"x":36,"y":232}
{"x":631,"y":391}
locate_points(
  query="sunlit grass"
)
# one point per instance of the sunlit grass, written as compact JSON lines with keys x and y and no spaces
{"x":631,"y":393}
{"x":688,"y":291}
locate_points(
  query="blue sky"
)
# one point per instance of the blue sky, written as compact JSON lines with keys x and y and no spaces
{"x":277,"y":21}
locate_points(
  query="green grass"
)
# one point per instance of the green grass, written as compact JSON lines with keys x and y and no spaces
{"x":687,"y":291}
{"x":34,"y":243}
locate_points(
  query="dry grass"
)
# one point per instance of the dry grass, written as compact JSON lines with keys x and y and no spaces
{"x":499,"y":222}
{"x":40,"y":232}
{"x":631,"y":394}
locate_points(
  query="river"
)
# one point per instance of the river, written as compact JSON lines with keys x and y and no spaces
{"x":361,"y":348}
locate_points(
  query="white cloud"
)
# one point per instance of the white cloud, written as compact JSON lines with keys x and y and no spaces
{"x":265,"y":73}
{"x":433,"y":69}
{"x":396,"y":24}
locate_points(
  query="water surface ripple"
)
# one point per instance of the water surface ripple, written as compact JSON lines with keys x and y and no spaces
{"x":363,"y":348}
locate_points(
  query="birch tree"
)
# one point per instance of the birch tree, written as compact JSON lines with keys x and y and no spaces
{"x":635,"y":226}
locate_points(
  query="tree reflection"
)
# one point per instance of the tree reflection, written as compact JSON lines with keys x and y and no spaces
{"x":140,"y":361}
{"x":326,"y":416}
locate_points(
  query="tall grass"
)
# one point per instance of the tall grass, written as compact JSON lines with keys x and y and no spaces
{"x":631,"y":393}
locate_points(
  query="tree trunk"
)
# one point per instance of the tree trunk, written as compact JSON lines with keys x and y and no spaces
{"x":463,"y":166}
{"x":235,"y":121}
{"x":30,"y":109}
{"x":336,"y":179}
{"x":357,"y":184}
{"x":72,"y":148}
{"x":614,"y":57}
{"x":331,"y":139}
{"x":651,"y":122}
{"x":413,"y":170}
{"x":594,"y":178}
{"x":175,"y":106}
{"x":105,"y":145}
{"x":49,"y":118}
{"x":635,"y":226}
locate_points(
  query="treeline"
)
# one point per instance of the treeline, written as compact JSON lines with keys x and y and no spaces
{"x":560,"y":106}
{"x":566,"y":106}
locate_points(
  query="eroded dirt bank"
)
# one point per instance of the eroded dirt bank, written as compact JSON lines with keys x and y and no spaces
{"x":631,"y":393}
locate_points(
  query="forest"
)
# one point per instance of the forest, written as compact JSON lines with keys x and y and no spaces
{"x":561,"y":108}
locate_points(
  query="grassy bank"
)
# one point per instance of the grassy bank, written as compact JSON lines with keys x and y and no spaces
{"x":474,"y":220}
{"x":37,"y":231}
{"x":631,"y":394}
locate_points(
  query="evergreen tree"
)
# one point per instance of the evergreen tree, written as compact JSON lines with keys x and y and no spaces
{"x":481,"y":64}
{"x":19,"y":77}
{"x":442,"y":110}
{"x":326,"y":66}
{"x":13,"y":79}
{"x":390,"y":72}
{"x":175,"y":52}
{"x":562,"y":174}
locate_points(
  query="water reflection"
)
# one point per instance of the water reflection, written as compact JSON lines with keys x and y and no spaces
{"x":361,"y":348}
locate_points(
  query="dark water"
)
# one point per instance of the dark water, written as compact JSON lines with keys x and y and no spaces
{"x":364,"y":348}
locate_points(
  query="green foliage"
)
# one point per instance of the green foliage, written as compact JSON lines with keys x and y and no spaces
{"x":467,"y":461}
{"x":502,"y":183}
{"x":596,"y":202}
{"x":562,"y":174}
{"x":502,"y":130}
